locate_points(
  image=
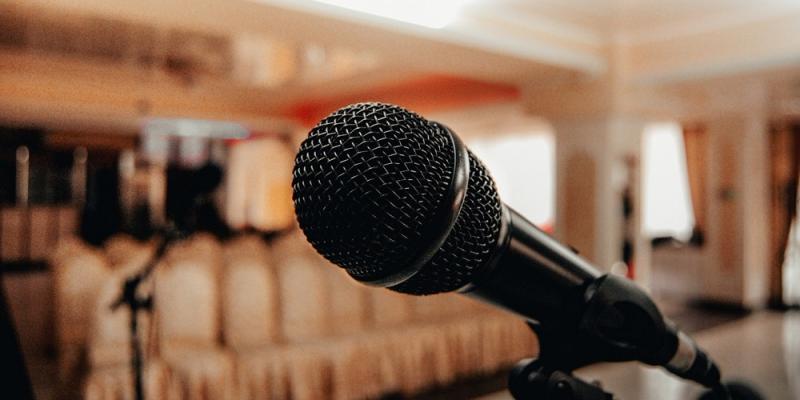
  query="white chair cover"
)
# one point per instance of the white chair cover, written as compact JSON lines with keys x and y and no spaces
{"x":187,"y":302}
{"x":250,"y":301}
{"x":359,"y":367}
{"x":116,"y":383}
{"x":247,"y":245}
{"x":258,"y":182}
{"x":262,"y":374}
{"x":305,"y":308}
{"x":79,"y":272}
{"x":348,"y":310}
{"x":125,"y":252}
{"x":308,"y":370}
{"x":109,"y":339}
{"x":187,"y":307}
{"x":390,"y":309}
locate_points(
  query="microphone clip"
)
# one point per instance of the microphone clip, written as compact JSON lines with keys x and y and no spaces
{"x":618,"y":322}
{"x":531,"y":379}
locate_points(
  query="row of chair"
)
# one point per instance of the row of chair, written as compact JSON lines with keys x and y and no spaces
{"x":244,"y":320}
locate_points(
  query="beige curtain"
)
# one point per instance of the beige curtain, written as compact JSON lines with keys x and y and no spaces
{"x":259,"y":185}
{"x":785,"y":170}
{"x":695,"y":139}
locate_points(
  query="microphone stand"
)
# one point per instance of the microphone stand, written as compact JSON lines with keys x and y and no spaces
{"x":531,"y":378}
{"x":549,"y":376}
{"x":617,"y":324}
{"x":135,"y":303}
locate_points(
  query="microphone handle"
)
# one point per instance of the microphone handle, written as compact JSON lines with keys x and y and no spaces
{"x":533,"y":275}
{"x":581,"y":315}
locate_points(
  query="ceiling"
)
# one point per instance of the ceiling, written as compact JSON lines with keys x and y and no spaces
{"x":324,"y":53}
{"x":634,"y":18}
{"x":509,"y":41}
{"x":535,"y":40}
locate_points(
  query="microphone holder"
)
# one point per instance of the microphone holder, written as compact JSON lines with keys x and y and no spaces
{"x":531,"y":380}
{"x":135,"y":303}
{"x":536,"y":378}
{"x":618,"y":323}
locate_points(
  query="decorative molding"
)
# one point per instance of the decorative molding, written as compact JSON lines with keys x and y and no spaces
{"x":552,"y":26}
{"x":703,"y":24}
{"x":541,"y":50}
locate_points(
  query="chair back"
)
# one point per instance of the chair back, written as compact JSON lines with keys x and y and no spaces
{"x":250,"y":303}
{"x":79,"y":273}
{"x":109,"y":337}
{"x":303,"y":291}
{"x":187,"y":300}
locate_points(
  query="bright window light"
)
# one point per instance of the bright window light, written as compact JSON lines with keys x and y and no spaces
{"x":523,"y":167}
{"x":791,"y":267}
{"x":430,"y":13}
{"x":667,"y":199}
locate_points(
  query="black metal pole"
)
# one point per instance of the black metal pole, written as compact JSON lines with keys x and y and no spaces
{"x":130,"y":298}
{"x":136,"y":356}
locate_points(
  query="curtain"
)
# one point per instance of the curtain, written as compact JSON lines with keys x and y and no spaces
{"x":259,"y":185}
{"x":695,"y":140}
{"x":785,"y":171}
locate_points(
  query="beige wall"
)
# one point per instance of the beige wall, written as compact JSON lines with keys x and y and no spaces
{"x":733,"y":264}
{"x":738,"y":201}
{"x":599,"y":124}
{"x":591,"y":174}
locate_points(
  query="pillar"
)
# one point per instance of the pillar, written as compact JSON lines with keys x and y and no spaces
{"x":738,"y":200}
{"x":596,"y":158}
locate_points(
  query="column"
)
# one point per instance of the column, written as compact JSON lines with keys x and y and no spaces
{"x":597,"y":157}
{"x":738,"y":201}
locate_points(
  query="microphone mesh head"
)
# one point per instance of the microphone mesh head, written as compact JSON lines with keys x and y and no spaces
{"x":367,"y":180}
{"x":471,"y":242}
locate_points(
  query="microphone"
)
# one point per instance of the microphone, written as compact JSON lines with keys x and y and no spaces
{"x":400,"y":202}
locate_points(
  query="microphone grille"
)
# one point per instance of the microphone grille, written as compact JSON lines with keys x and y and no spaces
{"x":471,"y":242}
{"x":365,"y":181}
{"x":368,"y":179}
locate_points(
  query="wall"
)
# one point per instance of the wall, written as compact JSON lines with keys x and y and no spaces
{"x":733,"y":264}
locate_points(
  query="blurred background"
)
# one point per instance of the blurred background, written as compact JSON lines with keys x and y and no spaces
{"x":659,"y":138}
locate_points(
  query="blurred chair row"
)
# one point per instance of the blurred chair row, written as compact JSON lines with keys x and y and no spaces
{"x":28,"y":233}
{"x":243,"y":320}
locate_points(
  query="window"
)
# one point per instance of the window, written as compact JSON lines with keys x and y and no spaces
{"x":791,"y":267}
{"x":523,"y":167}
{"x":667,"y":208}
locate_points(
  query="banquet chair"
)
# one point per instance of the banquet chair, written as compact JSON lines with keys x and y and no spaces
{"x":125,"y":253}
{"x":79,"y":271}
{"x":110,"y":375}
{"x":250,"y":316}
{"x":187,"y":310}
{"x":328,"y":352}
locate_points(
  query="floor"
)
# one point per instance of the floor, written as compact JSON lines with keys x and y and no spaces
{"x":762,"y":348}
{"x":696,"y":316}
{"x":690,"y":317}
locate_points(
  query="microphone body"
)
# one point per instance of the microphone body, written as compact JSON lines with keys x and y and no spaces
{"x":533,"y":275}
{"x":581,"y":315}
{"x":400,"y":202}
